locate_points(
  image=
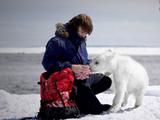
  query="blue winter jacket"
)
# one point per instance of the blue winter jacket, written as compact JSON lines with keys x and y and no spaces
{"x":65,"y":49}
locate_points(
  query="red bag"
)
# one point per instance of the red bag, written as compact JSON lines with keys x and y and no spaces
{"x":55,"y":93}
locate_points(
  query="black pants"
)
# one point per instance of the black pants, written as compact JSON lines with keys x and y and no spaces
{"x":85,"y":99}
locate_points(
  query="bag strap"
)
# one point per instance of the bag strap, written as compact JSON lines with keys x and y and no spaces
{"x":55,"y":83}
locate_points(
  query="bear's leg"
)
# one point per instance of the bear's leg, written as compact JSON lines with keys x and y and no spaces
{"x":120,"y":88}
{"x":125,"y":99}
{"x":139,"y":98}
{"x":139,"y":93}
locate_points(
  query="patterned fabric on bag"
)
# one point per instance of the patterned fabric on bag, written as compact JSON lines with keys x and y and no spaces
{"x":55,"y":92}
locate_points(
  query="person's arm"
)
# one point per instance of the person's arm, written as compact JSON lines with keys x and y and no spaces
{"x":52,"y":56}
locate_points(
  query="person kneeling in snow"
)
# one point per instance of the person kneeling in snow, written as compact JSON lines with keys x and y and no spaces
{"x":68,"y":50}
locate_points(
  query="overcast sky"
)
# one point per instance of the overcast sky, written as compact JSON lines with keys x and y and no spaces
{"x":31,"y":23}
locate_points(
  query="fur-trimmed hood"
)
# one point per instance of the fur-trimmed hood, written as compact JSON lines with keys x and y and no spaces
{"x":61,"y":30}
{"x":65,"y":31}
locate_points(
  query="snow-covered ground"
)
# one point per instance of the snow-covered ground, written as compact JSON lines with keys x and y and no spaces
{"x":14,"y":106}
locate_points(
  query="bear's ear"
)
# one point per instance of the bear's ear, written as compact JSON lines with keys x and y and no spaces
{"x":109,"y":53}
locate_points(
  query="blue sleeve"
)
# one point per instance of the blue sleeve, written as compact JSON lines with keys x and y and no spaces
{"x":52,"y":57}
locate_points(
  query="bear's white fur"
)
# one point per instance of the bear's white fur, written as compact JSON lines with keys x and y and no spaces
{"x":129,"y":77}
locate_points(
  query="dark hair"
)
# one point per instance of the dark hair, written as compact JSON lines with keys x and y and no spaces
{"x":81,"y":20}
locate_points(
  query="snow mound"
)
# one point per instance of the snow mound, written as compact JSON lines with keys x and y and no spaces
{"x":14,"y":106}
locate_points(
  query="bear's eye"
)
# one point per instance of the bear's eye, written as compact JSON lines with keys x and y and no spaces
{"x":96,"y":62}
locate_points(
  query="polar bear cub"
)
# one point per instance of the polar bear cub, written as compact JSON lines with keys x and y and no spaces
{"x":129,"y":77}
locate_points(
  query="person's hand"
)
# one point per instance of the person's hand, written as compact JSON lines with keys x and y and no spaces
{"x":81,"y":71}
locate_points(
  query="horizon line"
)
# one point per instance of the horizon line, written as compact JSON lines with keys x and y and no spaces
{"x":91,"y":50}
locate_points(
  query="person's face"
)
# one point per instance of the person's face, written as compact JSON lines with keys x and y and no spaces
{"x":82,"y":32}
